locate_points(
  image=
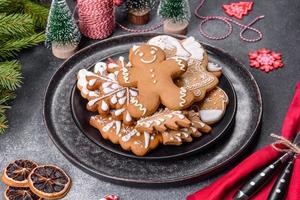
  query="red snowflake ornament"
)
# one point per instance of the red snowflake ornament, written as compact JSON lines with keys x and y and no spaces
{"x":265,"y":60}
{"x":110,"y":197}
{"x":238,"y":10}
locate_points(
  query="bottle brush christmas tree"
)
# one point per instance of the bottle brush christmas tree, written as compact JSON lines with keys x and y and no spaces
{"x":139,"y":10}
{"x":176,"y":15}
{"x":62,"y":33}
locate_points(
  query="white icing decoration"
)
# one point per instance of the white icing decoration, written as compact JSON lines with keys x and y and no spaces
{"x":100,"y":67}
{"x":212,"y":67}
{"x":128,"y":117}
{"x":92,"y":102}
{"x":194,"y":48}
{"x":135,"y":102}
{"x":147,"y":139}
{"x":119,"y":112}
{"x":122,"y":100}
{"x":114,"y":99}
{"x":112,"y":65}
{"x":128,"y":136}
{"x":108,"y":126}
{"x":133,"y":93}
{"x":118,"y":127}
{"x":166,"y":42}
{"x":210,"y":116}
{"x":149,"y":61}
{"x":182,"y":96}
{"x":121,"y":93}
{"x":124,"y":70}
{"x":104,"y":106}
{"x":92,"y":82}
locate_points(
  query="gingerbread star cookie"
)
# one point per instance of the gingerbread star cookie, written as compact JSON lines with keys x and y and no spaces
{"x":153,"y":76}
{"x":213,"y":107}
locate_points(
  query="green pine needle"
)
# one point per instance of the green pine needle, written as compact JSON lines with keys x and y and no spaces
{"x":6,"y":95}
{"x":38,"y":12}
{"x":3,"y":123}
{"x":15,"y":26}
{"x":11,"y":6}
{"x":10,"y":76}
{"x":11,"y":47}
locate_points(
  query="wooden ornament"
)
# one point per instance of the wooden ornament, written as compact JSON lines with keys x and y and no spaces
{"x":139,"y":17}
{"x":63,"y":51}
{"x":179,"y":27}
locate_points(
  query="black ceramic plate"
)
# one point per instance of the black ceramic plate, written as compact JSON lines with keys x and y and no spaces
{"x":102,"y":163}
{"x":82,"y":116}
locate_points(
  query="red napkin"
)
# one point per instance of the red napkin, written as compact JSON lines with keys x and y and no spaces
{"x":225,"y":187}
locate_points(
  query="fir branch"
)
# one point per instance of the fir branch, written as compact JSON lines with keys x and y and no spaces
{"x":38,"y":12}
{"x":11,"y":47}
{"x":15,"y":26}
{"x":6,"y":96}
{"x":3,"y":123}
{"x":11,"y":6}
{"x":10,"y":76}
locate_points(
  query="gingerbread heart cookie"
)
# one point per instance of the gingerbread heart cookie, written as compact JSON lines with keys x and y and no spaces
{"x":140,"y":143}
{"x":163,"y":120}
{"x":213,"y":107}
{"x":153,"y":76}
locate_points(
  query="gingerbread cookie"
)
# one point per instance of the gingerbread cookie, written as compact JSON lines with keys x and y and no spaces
{"x":105,"y":94}
{"x":163,"y":120}
{"x":213,"y":107}
{"x":153,"y":75}
{"x":140,"y":143}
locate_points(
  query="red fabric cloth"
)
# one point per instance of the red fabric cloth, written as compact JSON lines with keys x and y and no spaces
{"x":225,"y":187}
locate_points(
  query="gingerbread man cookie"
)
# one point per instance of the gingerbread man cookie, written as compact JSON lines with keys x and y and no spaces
{"x":153,"y":75}
{"x":213,"y":107}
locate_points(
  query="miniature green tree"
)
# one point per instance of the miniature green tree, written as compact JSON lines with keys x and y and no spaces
{"x":138,"y":5}
{"x":61,"y":28}
{"x":175,"y":10}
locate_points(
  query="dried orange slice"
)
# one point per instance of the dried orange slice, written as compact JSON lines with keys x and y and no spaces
{"x":16,"y":173}
{"x":17,"y":193}
{"x":49,"y":182}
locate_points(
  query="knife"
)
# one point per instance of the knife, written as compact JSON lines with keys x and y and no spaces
{"x":279,"y":189}
{"x":258,"y":181}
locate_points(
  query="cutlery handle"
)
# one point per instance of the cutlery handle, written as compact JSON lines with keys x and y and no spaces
{"x":279,"y":189}
{"x":258,"y":181}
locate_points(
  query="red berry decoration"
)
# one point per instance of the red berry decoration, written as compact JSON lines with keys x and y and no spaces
{"x":238,"y":10}
{"x":265,"y":60}
{"x":110,"y":197}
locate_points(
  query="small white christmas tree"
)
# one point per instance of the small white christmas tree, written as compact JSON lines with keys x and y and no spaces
{"x":176,"y":15}
{"x":61,"y":31}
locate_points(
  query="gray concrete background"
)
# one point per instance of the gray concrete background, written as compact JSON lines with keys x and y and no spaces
{"x":27,"y":136}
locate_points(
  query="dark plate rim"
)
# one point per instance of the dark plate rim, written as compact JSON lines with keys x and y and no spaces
{"x":128,"y":154}
{"x":194,"y":176}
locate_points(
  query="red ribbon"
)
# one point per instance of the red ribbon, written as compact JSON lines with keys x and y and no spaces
{"x":225,"y":187}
